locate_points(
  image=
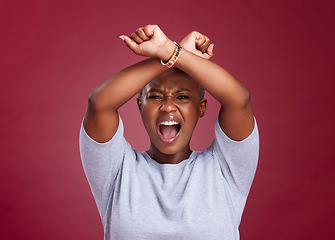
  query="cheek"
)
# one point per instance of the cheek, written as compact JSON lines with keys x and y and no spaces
{"x":148,"y":115}
{"x":191,"y":112}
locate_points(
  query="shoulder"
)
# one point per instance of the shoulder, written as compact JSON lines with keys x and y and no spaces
{"x":227,"y":144}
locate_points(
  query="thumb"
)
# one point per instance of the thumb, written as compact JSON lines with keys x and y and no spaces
{"x":129,"y":42}
{"x":210,"y":50}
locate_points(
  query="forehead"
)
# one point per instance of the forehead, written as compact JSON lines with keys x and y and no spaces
{"x":172,"y":80}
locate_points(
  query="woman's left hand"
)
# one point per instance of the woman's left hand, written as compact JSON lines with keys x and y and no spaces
{"x":198,"y":44}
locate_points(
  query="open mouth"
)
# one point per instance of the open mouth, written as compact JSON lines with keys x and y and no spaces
{"x":169,"y":130}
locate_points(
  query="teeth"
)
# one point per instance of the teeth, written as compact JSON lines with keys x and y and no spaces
{"x":169,"y":123}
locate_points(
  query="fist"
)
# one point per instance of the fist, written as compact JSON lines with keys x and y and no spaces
{"x":198,"y":44}
{"x":150,"y":41}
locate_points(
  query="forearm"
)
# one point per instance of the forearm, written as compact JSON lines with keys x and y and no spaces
{"x":216,"y":80}
{"x":235,"y":117}
{"x":122,"y":86}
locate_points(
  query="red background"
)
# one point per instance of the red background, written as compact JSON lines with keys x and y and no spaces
{"x":54,"y":53}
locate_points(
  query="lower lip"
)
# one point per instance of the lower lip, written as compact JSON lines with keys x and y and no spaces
{"x":167,"y":140}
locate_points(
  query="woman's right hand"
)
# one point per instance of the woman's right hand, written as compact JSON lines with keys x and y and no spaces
{"x":150,"y":41}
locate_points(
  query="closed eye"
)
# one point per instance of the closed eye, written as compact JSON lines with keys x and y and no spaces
{"x":154,"y":97}
{"x":181,"y":97}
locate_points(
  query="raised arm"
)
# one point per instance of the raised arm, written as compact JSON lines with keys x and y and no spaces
{"x":235,"y":117}
{"x":101,"y":118}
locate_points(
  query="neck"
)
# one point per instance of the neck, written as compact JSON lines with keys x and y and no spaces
{"x":173,"y":158}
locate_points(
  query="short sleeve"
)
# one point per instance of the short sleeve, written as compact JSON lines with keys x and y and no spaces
{"x":237,"y":159}
{"x":101,"y":163}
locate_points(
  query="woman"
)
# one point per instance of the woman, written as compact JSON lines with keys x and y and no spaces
{"x":170,"y":191}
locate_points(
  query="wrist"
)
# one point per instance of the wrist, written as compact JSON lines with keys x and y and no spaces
{"x":168,"y":50}
{"x":174,"y":58}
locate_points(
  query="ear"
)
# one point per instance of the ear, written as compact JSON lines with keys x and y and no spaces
{"x":203,"y":106}
{"x":139,"y":103}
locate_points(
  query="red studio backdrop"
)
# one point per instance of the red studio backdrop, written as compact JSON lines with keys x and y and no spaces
{"x":54,"y":53}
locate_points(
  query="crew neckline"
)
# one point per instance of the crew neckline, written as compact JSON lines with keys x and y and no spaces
{"x":169,"y":165}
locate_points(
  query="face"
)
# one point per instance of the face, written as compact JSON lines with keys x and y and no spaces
{"x":170,"y":107}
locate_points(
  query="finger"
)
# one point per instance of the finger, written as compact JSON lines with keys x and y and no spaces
{"x":140,"y":32}
{"x":200,"y":42}
{"x":136,"y":38}
{"x":149,"y":30}
{"x":205,"y":43}
{"x":209,"y":53}
{"x":130,"y":43}
{"x":193,"y":37}
{"x":199,"y":39}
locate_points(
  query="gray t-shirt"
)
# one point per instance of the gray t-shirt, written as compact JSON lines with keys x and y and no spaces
{"x":202,"y":197}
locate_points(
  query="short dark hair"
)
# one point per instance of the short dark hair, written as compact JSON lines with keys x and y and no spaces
{"x":202,"y":92}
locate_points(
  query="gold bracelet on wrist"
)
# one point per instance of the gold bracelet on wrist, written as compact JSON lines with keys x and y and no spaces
{"x":174,"y":57}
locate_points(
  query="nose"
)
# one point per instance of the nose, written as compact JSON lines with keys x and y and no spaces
{"x":168,"y":105}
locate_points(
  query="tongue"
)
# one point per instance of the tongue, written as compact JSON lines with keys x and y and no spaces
{"x":169,"y":132}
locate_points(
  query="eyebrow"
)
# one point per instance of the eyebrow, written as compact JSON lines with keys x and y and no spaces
{"x":155,"y":90}
{"x":183,"y":90}
{"x":177,"y":91}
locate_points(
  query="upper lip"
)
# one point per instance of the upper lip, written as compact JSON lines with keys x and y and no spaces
{"x":168,"y":119}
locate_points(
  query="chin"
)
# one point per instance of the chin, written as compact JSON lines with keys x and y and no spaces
{"x":171,"y":149}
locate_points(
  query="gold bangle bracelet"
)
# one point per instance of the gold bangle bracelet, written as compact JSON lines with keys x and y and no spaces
{"x":174,"y":57}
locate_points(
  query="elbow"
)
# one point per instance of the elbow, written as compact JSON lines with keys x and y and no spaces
{"x":245,"y":99}
{"x":241,"y":99}
{"x":100,"y":101}
{"x":92,"y":102}
{"x":95,"y":102}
